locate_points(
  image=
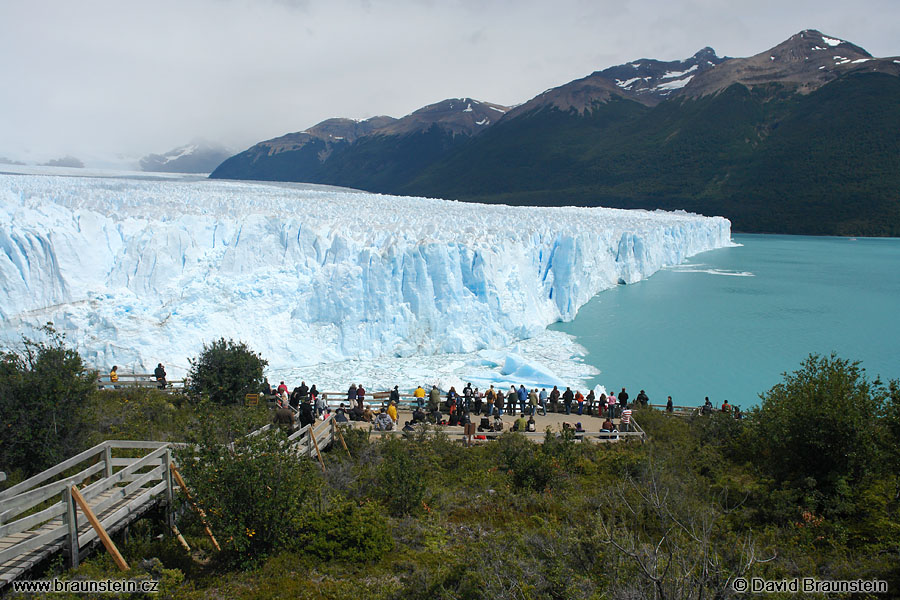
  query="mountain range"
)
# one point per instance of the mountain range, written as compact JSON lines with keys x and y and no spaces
{"x":199,"y":156}
{"x":802,"y":138}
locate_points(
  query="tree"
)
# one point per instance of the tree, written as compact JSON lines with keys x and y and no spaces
{"x":225,"y":371}
{"x":43,"y":386}
{"x":818,"y":430}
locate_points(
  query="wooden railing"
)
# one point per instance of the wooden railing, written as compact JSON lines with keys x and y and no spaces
{"x":43,"y":505}
{"x":138,"y":380}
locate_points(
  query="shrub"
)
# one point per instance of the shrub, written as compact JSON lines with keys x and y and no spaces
{"x":400,"y":478}
{"x":225,"y":371}
{"x":42,"y":388}
{"x":817,"y":429}
{"x":346,"y":532}
{"x":254,"y":492}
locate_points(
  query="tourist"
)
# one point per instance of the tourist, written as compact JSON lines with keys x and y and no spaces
{"x":669,"y":406}
{"x":418,"y":415}
{"x":533,"y":401}
{"x":392,"y":412}
{"x":340,"y":415}
{"x":511,"y":396}
{"x":284,"y":417}
{"x":477,"y":399}
{"x":579,"y":399}
{"x":303,"y":391}
{"x":351,"y":394}
{"x":531,"y":425}
{"x":160,"y":374}
{"x":607,"y":425}
{"x":523,"y":398}
{"x":707,"y":407}
{"x":623,"y":399}
{"x":317,"y":401}
{"x":419,"y":395}
{"x":368,"y":416}
{"x":642,"y":398}
{"x":360,"y":396}
{"x":282,"y":389}
{"x":554,"y":399}
{"x":395,"y":395}
{"x":568,"y":397}
{"x":114,"y":376}
{"x":383,"y":421}
{"x":589,"y":402}
{"x":520,"y":424}
{"x":611,"y":405}
{"x":726,"y":408}
{"x":498,"y":403}
{"x":468,"y":394}
{"x":434,"y":400}
{"x":542,"y":400}
{"x":626,"y":420}
{"x":498,"y":424}
{"x":306,"y":414}
{"x":267,"y":388}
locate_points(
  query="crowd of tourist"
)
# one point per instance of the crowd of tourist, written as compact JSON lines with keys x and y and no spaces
{"x":471,"y":406}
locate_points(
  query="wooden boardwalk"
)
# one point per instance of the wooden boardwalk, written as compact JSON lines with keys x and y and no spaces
{"x":120,"y":481}
{"x":40,"y":517}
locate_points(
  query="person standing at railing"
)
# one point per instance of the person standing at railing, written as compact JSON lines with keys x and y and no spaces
{"x":114,"y":376}
{"x":419,"y":395}
{"x":434,"y":400}
{"x":498,"y":403}
{"x":395,"y":395}
{"x":669,"y":406}
{"x":542,"y":401}
{"x":568,"y":397}
{"x":522,"y":395}
{"x":579,"y":399}
{"x":160,"y":374}
{"x":554,"y":399}
{"x":611,"y":405}
{"x":360,"y":396}
{"x":533,"y":401}
{"x":642,"y":398}
{"x":467,"y":397}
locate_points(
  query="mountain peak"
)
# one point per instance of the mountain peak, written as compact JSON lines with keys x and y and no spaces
{"x":804,"y":62}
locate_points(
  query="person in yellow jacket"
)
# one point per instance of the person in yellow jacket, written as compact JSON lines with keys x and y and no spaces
{"x":419,"y":395}
{"x":114,"y":375}
{"x":392,"y":411}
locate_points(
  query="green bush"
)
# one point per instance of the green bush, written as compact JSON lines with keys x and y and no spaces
{"x":346,"y":532}
{"x":400,"y":478}
{"x":254,"y":492}
{"x":42,"y":389}
{"x":817,"y":430}
{"x":225,"y":371}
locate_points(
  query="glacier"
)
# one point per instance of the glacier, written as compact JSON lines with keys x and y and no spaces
{"x":144,"y":270}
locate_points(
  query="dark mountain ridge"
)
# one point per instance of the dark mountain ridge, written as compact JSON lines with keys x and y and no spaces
{"x":802,"y":138}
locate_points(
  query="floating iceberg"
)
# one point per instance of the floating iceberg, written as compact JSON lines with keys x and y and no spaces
{"x":138,"y":271}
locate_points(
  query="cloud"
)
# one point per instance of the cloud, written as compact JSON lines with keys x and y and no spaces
{"x":104,"y":77}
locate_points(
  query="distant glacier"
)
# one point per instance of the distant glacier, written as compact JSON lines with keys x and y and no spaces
{"x":138,"y":271}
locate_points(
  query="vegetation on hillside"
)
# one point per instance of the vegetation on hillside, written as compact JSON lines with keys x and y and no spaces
{"x":805,"y":486}
{"x":770,"y":160}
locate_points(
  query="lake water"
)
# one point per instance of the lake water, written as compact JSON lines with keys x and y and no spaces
{"x":731,"y":321}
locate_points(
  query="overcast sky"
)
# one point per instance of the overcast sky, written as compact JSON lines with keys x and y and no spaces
{"x":101,"y":78}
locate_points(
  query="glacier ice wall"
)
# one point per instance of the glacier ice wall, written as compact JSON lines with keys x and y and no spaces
{"x":142,"y":271}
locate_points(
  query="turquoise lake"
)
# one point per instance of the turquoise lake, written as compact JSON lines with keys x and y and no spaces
{"x":729,"y":322}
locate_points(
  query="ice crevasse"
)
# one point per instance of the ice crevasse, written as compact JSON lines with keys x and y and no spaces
{"x":140,"y":271}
